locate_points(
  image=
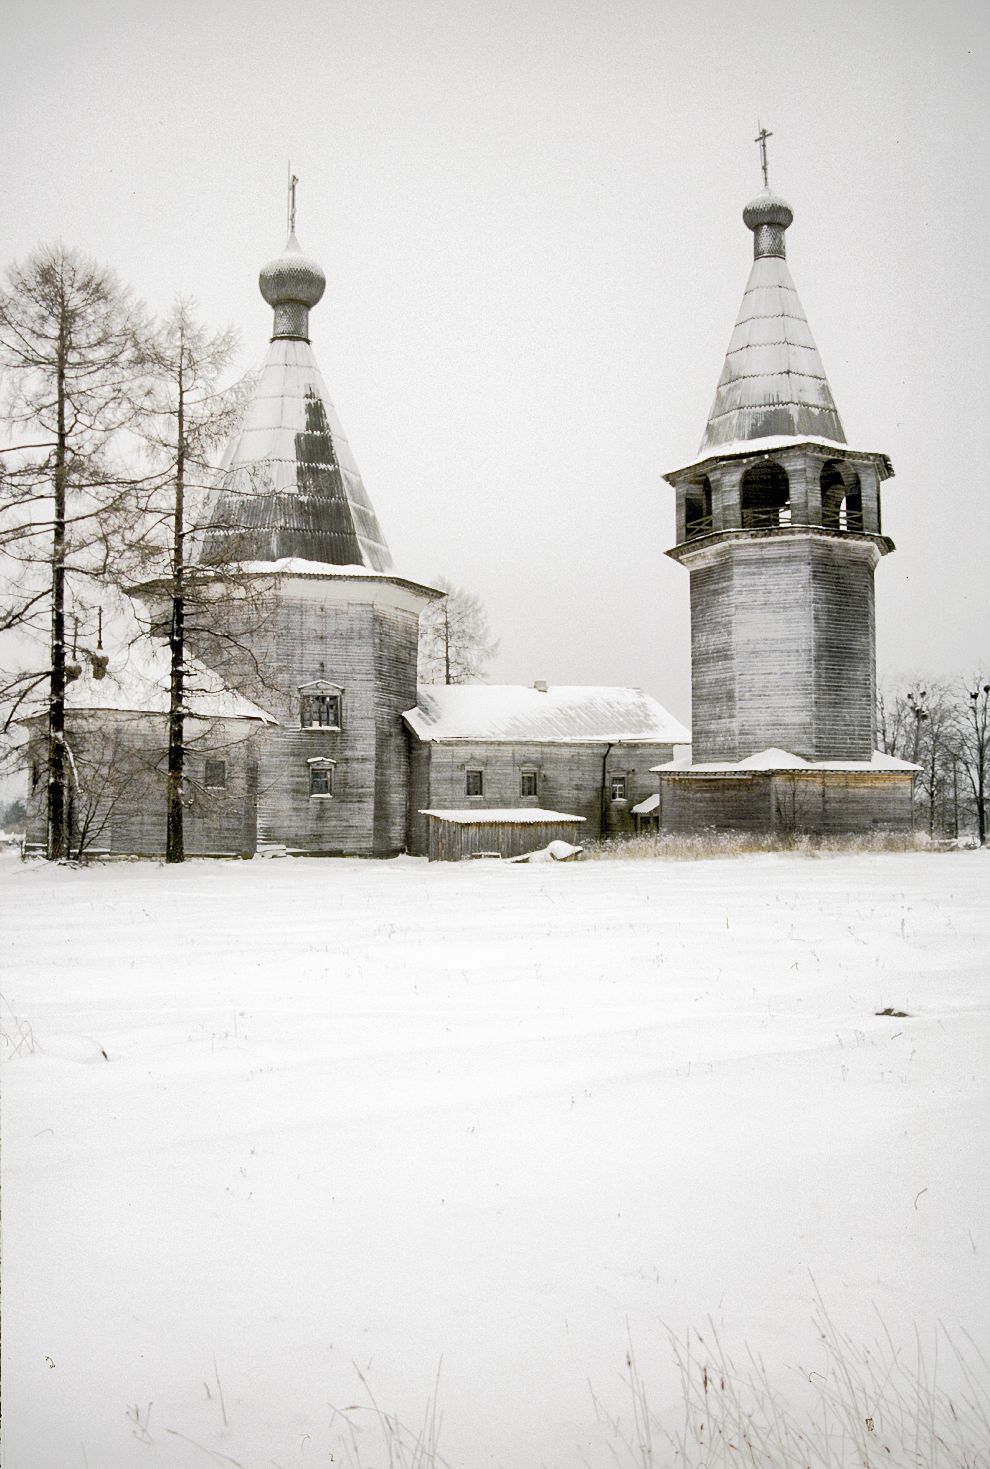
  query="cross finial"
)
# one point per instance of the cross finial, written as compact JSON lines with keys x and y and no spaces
{"x":761,"y":138}
{"x":293,"y":180}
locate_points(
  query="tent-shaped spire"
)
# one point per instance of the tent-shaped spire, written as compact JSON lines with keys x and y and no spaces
{"x":773,"y":381}
{"x":288,"y":485}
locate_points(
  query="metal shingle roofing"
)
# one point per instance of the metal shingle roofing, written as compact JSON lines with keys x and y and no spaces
{"x":288,"y":483}
{"x":773,"y":381}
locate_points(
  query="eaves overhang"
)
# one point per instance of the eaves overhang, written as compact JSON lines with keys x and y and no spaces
{"x":757,"y":449}
{"x":686,"y":551}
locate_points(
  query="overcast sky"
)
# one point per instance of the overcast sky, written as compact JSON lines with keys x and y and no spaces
{"x":529,"y":214}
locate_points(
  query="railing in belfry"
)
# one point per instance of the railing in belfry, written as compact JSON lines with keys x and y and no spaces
{"x":760,"y":519}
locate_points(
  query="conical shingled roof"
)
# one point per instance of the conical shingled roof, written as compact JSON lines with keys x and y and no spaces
{"x":288,"y":483}
{"x":773,"y":382}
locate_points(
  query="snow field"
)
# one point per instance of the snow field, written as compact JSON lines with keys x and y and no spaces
{"x":370,"y":1115}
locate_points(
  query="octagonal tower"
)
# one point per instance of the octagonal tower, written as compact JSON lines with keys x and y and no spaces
{"x":779,"y":525}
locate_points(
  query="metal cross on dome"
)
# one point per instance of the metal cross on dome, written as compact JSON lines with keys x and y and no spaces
{"x":761,"y":138}
{"x":293,"y":180}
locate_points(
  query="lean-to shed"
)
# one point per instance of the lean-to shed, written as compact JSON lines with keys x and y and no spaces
{"x":496,"y":833}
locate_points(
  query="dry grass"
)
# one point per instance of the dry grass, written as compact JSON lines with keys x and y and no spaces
{"x":862,"y":1406}
{"x":695,"y":846}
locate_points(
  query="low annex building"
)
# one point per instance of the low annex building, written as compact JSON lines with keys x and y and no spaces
{"x":117,"y":726}
{"x":583,"y":750}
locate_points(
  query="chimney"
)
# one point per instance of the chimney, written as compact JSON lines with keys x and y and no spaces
{"x":540,"y":685}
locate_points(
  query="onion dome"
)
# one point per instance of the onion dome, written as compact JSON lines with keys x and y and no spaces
{"x":768,"y":216}
{"x":292,"y":283}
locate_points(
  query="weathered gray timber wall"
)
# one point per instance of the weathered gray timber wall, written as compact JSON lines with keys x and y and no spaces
{"x":568,"y":778}
{"x":451,"y":841}
{"x":396,"y":652}
{"x":825,"y":802}
{"x":739,"y":804}
{"x":782,"y":647}
{"x":843,"y":605}
{"x":119,"y":806}
{"x":362,"y":636}
{"x":419,"y":795}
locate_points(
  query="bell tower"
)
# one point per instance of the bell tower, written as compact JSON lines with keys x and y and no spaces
{"x":778,"y":523}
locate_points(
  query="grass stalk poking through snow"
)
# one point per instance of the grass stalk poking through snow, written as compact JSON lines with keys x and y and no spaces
{"x":873,"y":1405}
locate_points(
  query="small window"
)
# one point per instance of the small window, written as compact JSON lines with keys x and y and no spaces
{"x":527,"y":782}
{"x":320,"y":711}
{"x":474,"y":782}
{"x":35,"y":774}
{"x":321,"y":778}
{"x":215,"y":775}
{"x":617,"y":788}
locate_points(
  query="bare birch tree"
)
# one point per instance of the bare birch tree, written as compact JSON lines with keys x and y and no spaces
{"x":69,"y":334}
{"x":455,"y":641}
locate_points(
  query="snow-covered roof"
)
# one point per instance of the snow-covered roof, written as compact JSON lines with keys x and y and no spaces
{"x":503,"y":815}
{"x":768,"y":443}
{"x":299,"y":566}
{"x":782,"y":760}
{"x":564,"y":714}
{"x":137,"y":681}
{"x":643,"y":808}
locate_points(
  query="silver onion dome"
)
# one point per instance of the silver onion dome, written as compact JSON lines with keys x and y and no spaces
{"x":768,"y":216}
{"x":292,"y":283}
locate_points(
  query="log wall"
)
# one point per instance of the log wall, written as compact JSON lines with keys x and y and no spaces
{"x":569,"y":778}
{"x":121,"y":760}
{"x":826,"y":802}
{"x":783,"y":647}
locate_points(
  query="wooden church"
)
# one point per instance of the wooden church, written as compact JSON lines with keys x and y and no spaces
{"x":306,"y":724}
{"x":779,"y":526}
{"x":310,"y":735}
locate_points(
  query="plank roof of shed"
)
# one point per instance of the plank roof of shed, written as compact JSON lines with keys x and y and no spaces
{"x":564,"y":714}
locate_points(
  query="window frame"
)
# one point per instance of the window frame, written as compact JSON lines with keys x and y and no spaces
{"x":474,"y":770}
{"x":314,"y":693}
{"x":529,"y":774}
{"x":214,"y":785}
{"x":322,"y":767}
{"x":617,"y":787}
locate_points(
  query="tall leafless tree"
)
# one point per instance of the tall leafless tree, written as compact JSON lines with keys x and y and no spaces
{"x":186,"y":416}
{"x":973,"y":745}
{"x":455,"y":641}
{"x":69,"y":337}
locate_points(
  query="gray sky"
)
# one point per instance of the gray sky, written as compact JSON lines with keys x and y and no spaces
{"x":529,"y":217}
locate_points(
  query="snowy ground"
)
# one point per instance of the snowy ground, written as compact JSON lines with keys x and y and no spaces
{"x":372,"y":1115}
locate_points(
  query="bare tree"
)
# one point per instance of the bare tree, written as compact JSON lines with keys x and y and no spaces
{"x":186,"y":416}
{"x":972,"y":745}
{"x":68,"y":350}
{"x":455,"y":641}
{"x":934,"y":717}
